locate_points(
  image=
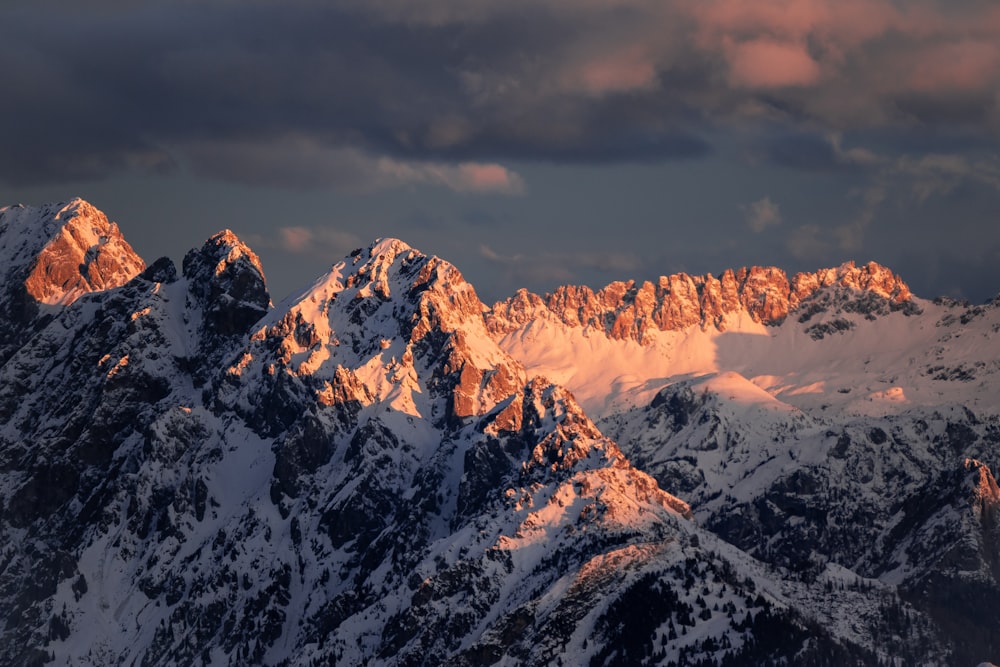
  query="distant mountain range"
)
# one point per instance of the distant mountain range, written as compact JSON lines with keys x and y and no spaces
{"x":731,"y":470}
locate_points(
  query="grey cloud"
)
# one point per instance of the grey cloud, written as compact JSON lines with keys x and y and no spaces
{"x":136,"y":86}
{"x":814,"y":151}
{"x":972,"y":275}
{"x":322,"y":242}
{"x":808,"y":242}
{"x":298,"y":163}
{"x":762,"y":214}
{"x":802,"y":150}
{"x":941,"y":174}
{"x":147,"y":84}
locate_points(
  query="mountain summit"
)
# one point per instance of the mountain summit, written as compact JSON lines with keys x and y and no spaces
{"x":65,"y":250}
{"x":52,"y":255}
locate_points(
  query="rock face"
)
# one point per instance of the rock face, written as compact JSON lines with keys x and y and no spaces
{"x":53,"y":255}
{"x":100,"y":391}
{"x":362,"y":475}
{"x":627,"y":310}
{"x":226,"y":295}
{"x":86,"y":254}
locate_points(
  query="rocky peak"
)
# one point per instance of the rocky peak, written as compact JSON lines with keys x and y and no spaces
{"x":52,"y":255}
{"x":427,"y":293}
{"x":374,"y":265}
{"x":518,"y":311}
{"x":628,"y":309}
{"x":68,"y":249}
{"x":870,"y":290}
{"x":439,"y":316}
{"x":226,"y":280}
{"x":404,"y":326}
{"x":223,"y":255}
{"x":872,"y":278}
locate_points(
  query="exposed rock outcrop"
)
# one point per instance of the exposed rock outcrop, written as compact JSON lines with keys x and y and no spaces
{"x":52,"y":255}
{"x":627,"y":310}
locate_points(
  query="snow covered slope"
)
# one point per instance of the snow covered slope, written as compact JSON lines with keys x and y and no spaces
{"x":848,"y":347}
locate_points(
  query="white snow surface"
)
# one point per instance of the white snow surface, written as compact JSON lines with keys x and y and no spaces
{"x":878,"y":367}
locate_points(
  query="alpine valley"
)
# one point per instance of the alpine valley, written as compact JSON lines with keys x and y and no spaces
{"x":742,"y":469}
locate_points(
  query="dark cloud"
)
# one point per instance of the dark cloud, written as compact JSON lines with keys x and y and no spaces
{"x":537,"y":268}
{"x":803,"y":151}
{"x":128,"y":86}
{"x":98,"y":93}
{"x":963,"y":108}
{"x":973,"y":276}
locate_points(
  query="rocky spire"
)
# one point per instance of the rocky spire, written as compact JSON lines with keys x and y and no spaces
{"x":226,"y":279}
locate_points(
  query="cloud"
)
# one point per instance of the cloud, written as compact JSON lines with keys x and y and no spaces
{"x":938,"y":174}
{"x":320,"y":242}
{"x":807,"y":242}
{"x":765,"y":63}
{"x":464,"y":177}
{"x":300,"y":163}
{"x":911,"y":179}
{"x":446,"y":91}
{"x":610,"y":261}
{"x":295,"y":239}
{"x":519,"y":270}
{"x":624,"y":70}
{"x":814,"y":151}
{"x":954,"y":66}
{"x":891,"y":189}
{"x":762,"y":214}
{"x":488,"y":253}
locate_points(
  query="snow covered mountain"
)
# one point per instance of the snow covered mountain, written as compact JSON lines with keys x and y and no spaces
{"x":51,"y":256}
{"x":829,"y":421}
{"x":376,"y":470}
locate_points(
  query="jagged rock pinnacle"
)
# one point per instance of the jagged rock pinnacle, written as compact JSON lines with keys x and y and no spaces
{"x":226,"y":276}
{"x":629,"y":309}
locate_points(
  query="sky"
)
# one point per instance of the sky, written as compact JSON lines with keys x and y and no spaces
{"x":532,"y":143}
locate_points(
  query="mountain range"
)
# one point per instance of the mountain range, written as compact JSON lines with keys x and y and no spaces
{"x":747,"y":468}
